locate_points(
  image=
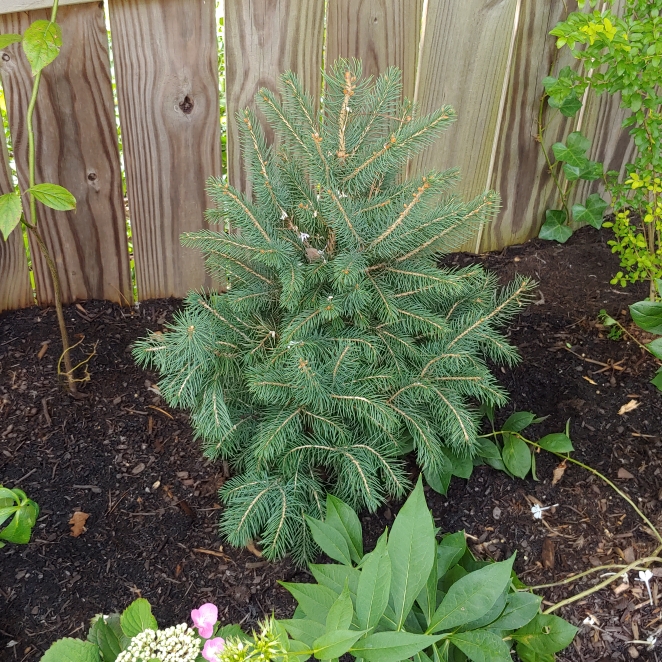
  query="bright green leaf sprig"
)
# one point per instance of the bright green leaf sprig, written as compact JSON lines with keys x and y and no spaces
{"x":415,"y":597}
{"x":620,"y":55}
{"x":21,"y":513}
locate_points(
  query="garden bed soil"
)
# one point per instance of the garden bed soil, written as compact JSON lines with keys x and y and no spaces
{"x":130,"y":463}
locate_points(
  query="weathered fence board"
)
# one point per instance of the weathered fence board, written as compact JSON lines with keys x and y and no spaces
{"x":469,"y":75}
{"x":381,"y":33}
{"x":264,"y":38}
{"x":76,"y":147}
{"x":521,"y":175}
{"x":166,"y":62}
{"x":15,"y":290}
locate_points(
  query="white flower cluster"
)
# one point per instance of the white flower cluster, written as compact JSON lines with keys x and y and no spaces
{"x":178,"y":643}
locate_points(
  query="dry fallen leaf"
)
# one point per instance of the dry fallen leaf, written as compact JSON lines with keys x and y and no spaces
{"x":253,"y":549}
{"x":78,"y":523}
{"x":624,"y":473}
{"x":43,"y":350}
{"x":558,"y":472}
{"x":629,"y":406}
{"x":548,"y":553}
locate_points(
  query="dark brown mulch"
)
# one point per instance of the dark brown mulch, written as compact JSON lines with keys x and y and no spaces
{"x":131,"y":463}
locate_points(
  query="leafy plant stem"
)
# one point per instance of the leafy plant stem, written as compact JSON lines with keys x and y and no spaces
{"x":601,"y":585}
{"x":550,"y":165}
{"x":52,"y":267}
{"x":627,"y":333}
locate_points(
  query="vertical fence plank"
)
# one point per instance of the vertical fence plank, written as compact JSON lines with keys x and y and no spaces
{"x":521,"y":175}
{"x":464,"y":57}
{"x":166,"y":60}
{"x":381,"y":33}
{"x":15,"y":290}
{"x":76,"y":145}
{"x":264,"y":38}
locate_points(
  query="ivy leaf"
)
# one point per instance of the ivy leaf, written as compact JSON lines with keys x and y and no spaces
{"x":41,"y":43}
{"x":592,"y":212}
{"x":137,"y":618}
{"x":482,"y":646}
{"x":647,"y":315}
{"x":568,"y":105}
{"x":54,"y":196}
{"x":574,"y":151}
{"x":556,"y":443}
{"x":516,"y":456}
{"x":7,"y":39}
{"x":554,"y":228}
{"x":10,"y":213}
{"x":586,"y":170}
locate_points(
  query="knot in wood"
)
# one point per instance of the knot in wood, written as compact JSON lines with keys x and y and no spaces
{"x":186,"y":106}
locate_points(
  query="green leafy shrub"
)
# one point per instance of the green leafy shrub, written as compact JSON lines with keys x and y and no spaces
{"x":619,"y":55}
{"x":340,"y":345}
{"x":414,"y":597}
{"x":22,"y":514}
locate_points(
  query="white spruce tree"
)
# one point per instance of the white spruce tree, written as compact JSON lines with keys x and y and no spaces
{"x":340,"y":344}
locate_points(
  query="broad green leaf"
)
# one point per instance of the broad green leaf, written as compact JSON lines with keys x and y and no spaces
{"x":334,"y":644}
{"x":520,"y":609}
{"x":658,"y":284}
{"x":546,"y":633}
{"x":374,"y":586}
{"x":41,"y":43}
{"x":392,"y":646}
{"x":233,"y":630}
{"x":647,"y":315}
{"x":462,"y":467}
{"x":528,"y":655}
{"x":556,"y":443}
{"x":72,"y":650}
{"x":491,"y":616}
{"x":449,"y":552}
{"x":315,"y":600}
{"x":7,"y":512}
{"x":411,"y":548}
{"x":304,"y":629}
{"x":341,"y":612}
{"x":6,"y":493}
{"x":574,"y":151}
{"x":19,"y":529}
{"x":472,"y":596}
{"x":54,"y":196}
{"x":456,"y":573}
{"x":655,"y":348}
{"x":335,"y":576}
{"x":591,"y":213}
{"x":487,"y":449}
{"x":10,"y":213}
{"x":106,"y":639}
{"x":657,"y":380}
{"x":138,"y":617}
{"x":427,"y":598}
{"x":554,"y":228}
{"x":7,"y":39}
{"x":482,"y":646}
{"x":516,"y":456}
{"x":343,"y":518}
{"x":518,"y":421}
{"x":331,"y":541}
{"x":293,"y":647}
{"x":437,"y":479}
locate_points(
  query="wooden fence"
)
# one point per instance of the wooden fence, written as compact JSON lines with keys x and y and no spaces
{"x":487,"y":58}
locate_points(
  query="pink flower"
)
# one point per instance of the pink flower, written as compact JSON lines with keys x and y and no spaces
{"x":204,"y":619}
{"x":213,"y":648}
